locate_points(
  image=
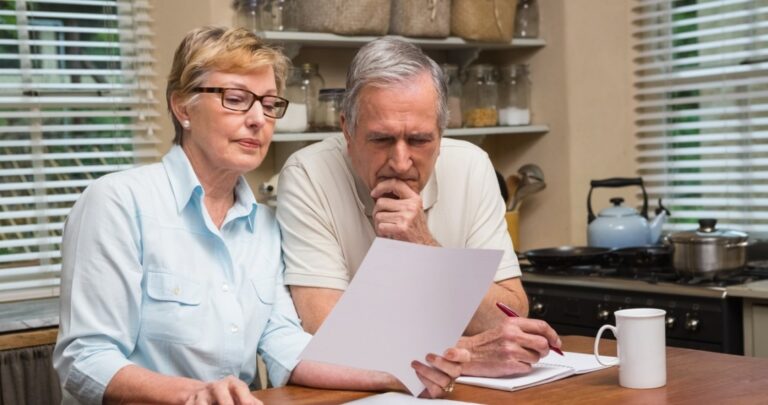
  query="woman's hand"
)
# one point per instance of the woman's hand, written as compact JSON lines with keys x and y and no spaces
{"x":227,"y":391}
{"x":439,"y":378}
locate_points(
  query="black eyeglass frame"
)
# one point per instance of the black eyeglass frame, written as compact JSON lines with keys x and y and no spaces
{"x":256,"y":97}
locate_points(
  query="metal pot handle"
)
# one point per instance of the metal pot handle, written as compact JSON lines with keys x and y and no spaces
{"x":616,"y":182}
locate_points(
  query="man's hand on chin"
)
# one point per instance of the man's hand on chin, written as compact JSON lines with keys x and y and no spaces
{"x":399,"y":213}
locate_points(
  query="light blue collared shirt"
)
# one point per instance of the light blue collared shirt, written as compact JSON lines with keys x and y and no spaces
{"x":148,"y":279}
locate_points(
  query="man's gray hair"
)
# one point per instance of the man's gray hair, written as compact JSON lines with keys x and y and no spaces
{"x":391,"y":61}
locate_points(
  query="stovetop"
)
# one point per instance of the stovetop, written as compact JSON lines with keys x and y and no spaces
{"x":655,"y":280}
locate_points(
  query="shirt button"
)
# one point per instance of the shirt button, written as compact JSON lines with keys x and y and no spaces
{"x":234,"y":328}
{"x":176,"y":291}
{"x":224,"y":288}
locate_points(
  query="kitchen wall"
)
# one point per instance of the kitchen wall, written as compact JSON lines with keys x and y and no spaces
{"x":582,"y":89}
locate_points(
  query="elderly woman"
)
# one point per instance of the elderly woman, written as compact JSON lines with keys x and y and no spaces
{"x":172,"y":273}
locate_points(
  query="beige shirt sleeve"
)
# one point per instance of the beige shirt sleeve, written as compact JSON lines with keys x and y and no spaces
{"x":313,"y":256}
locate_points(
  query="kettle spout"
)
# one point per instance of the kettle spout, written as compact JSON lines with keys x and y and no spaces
{"x":657,"y":223}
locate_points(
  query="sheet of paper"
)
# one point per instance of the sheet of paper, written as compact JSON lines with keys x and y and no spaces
{"x":405,"y":301}
{"x":397,"y":398}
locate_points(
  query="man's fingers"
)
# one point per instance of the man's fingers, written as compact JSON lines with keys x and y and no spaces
{"x":538,"y":328}
{"x":433,"y":380}
{"x":392,"y":186}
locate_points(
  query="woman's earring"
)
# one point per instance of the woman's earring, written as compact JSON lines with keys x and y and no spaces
{"x":185,"y":124}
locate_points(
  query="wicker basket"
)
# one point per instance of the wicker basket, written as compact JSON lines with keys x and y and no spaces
{"x":346,"y":17}
{"x":483,"y":20}
{"x":421,"y":18}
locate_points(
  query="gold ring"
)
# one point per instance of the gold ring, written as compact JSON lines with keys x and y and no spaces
{"x":449,"y":388}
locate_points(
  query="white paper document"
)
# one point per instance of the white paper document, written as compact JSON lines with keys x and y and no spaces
{"x":405,"y":301}
{"x":553,"y":367}
{"x":397,"y":398}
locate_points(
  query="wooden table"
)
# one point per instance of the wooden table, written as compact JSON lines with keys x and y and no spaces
{"x":693,"y":377}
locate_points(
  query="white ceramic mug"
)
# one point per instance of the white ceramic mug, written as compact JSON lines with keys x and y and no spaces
{"x":641,"y":342}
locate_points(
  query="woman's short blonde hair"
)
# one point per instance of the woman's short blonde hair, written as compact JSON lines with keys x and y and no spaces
{"x":215,"y":49}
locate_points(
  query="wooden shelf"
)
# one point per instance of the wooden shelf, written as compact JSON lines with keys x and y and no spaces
{"x":326,"y":39}
{"x":516,"y":130}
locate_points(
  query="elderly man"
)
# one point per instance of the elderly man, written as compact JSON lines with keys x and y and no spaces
{"x":393,"y":175}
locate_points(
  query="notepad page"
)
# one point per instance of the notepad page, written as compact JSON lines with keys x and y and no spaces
{"x":581,"y":363}
{"x":540,"y":374}
{"x":553,"y":367}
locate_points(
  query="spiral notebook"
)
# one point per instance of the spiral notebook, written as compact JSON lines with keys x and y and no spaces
{"x":551,"y":368}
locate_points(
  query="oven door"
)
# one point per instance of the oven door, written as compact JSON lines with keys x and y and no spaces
{"x":704,"y":323}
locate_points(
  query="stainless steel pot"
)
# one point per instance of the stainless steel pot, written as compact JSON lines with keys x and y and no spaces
{"x":707,"y":252}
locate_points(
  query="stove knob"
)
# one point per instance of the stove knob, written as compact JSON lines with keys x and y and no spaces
{"x":670,"y":321}
{"x":537,"y":308}
{"x":692,"y":324}
{"x":603,"y":315}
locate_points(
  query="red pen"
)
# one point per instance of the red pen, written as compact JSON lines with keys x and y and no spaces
{"x":511,"y":313}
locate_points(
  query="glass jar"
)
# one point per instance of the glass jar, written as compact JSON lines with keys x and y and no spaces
{"x":451,"y":73}
{"x":277,"y":15}
{"x":527,"y":19}
{"x":311,"y":83}
{"x":295,"y":118}
{"x":514,"y":95}
{"x":480,"y":96}
{"x":328,"y":109}
{"x":249,"y":14}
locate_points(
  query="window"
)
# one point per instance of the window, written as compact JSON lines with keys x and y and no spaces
{"x":702,"y":109}
{"x":76,"y":102}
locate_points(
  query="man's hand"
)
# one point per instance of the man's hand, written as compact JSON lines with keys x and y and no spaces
{"x":509,"y":348}
{"x":399,"y":213}
{"x":439,"y":378}
{"x":227,"y":391}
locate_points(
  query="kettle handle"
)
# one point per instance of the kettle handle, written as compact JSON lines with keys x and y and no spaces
{"x":616,"y":182}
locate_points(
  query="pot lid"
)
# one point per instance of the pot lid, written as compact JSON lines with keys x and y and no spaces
{"x":617,"y":210}
{"x":707,"y":233}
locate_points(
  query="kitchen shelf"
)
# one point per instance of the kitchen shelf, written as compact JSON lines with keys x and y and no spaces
{"x":523,"y":129}
{"x":334,"y":40}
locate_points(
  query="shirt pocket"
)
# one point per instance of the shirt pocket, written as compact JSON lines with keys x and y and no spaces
{"x":174,"y":309}
{"x":265,"y":289}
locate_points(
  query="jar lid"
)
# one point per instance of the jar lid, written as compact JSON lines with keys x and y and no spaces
{"x":707,"y":233}
{"x":333,"y":91}
{"x":309,"y":67}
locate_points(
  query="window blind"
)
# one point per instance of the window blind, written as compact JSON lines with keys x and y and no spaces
{"x":76,"y":102}
{"x":702,"y":109}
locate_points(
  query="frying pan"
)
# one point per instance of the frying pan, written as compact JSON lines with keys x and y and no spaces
{"x":638,"y":260}
{"x":565,"y":256}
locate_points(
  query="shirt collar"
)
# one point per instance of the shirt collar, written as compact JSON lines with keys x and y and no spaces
{"x":428,"y":194}
{"x":185,"y":185}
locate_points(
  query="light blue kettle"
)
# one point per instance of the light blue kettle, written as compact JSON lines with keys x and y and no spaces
{"x":619,"y":226}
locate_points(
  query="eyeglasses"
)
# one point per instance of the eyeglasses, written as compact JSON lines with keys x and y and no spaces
{"x":242,"y":100}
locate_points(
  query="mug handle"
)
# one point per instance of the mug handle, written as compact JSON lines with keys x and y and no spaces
{"x":597,"y":343}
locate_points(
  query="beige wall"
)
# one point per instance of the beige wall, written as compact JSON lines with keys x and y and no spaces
{"x":582,"y":89}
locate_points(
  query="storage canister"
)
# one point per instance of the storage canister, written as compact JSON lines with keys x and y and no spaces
{"x":483,"y":20}
{"x":249,"y":14}
{"x":451,"y":73}
{"x":421,"y":18}
{"x":481,"y":94}
{"x":295,"y":118}
{"x":328,"y":109}
{"x":345,"y":17}
{"x":514,"y":95}
{"x":311,"y":83}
